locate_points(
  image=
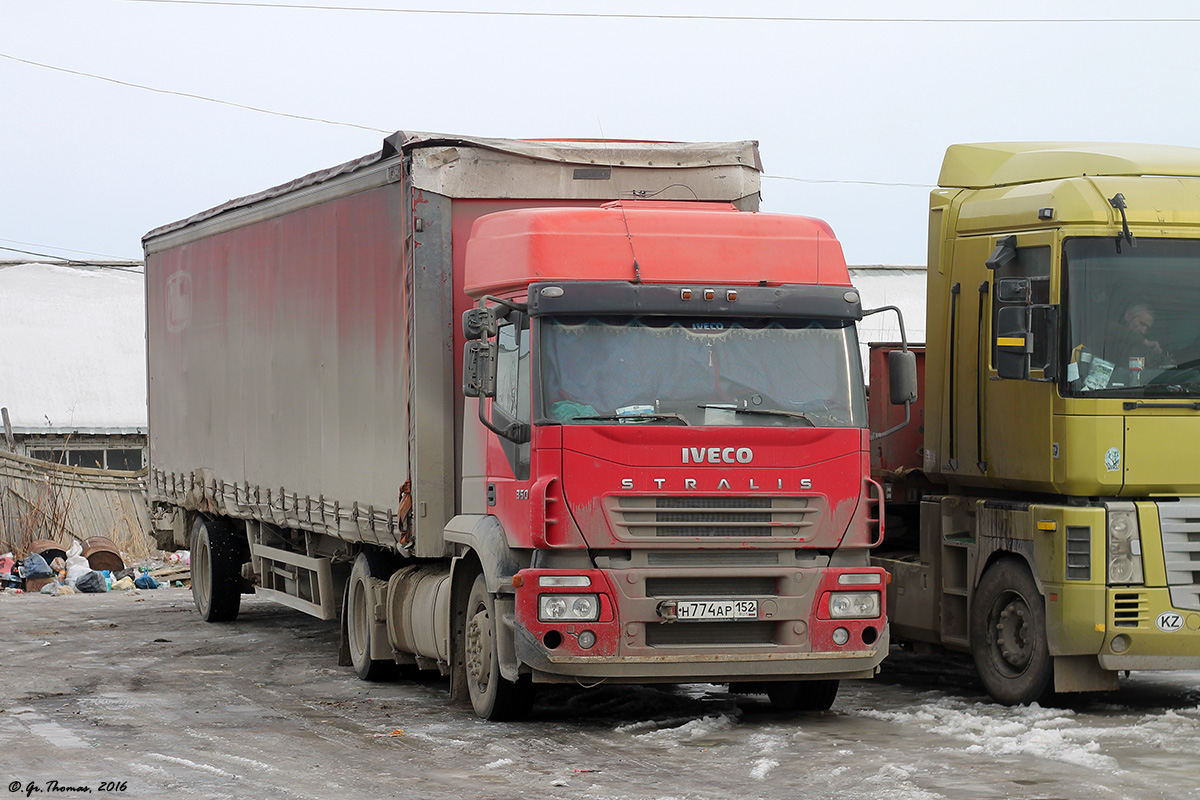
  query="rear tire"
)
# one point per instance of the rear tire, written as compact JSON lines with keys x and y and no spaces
{"x":493,"y":696}
{"x":360,"y":623}
{"x":802,"y":695}
{"x":1008,"y":635}
{"x":216,"y":570}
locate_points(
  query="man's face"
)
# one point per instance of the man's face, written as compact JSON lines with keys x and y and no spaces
{"x":1139,"y":319}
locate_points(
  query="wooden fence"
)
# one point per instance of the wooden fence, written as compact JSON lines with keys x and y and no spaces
{"x":41,"y":500}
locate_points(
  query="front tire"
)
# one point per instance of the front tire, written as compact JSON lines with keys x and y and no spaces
{"x":1008,"y":635}
{"x":492,"y":695}
{"x":216,"y":570}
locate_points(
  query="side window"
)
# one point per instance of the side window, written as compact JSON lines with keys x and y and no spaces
{"x":512,"y":373}
{"x":511,"y":403}
{"x":1033,"y":265}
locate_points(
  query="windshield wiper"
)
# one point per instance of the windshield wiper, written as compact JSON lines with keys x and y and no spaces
{"x":654,"y":415}
{"x":776,"y":412}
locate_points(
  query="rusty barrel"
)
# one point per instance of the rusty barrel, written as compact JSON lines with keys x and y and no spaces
{"x":102,"y":553}
{"x":48,"y":549}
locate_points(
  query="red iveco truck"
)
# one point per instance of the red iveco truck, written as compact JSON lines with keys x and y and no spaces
{"x":524,"y":412}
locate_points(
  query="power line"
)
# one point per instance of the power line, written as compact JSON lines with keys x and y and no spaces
{"x":70,"y":262}
{"x":191,"y":96}
{"x":52,"y":247}
{"x":694,"y":17}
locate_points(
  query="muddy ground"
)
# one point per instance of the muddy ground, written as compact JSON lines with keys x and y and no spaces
{"x":130,"y":694}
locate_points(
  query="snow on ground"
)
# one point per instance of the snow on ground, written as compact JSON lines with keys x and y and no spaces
{"x":987,"y":729}
{"x":74,"y":353}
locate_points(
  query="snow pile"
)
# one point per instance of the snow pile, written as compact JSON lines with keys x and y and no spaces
{"x":74,"y":354}
{"x":689,"y":731}
{"x":1052,"y":734}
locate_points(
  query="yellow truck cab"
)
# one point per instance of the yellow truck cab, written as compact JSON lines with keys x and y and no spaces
{"x":1048,"y":521}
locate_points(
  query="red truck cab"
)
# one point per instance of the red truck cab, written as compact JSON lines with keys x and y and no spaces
{"x":673,"y":422}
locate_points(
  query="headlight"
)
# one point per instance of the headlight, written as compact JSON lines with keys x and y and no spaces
{"x":1124,"y":544}
{"x":568,"y":607}
{"x":854,"y":605}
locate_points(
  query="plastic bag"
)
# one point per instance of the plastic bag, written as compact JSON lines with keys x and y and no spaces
{"x":93,"y":582}
{"x":180,"y":557}
{"x":51,"y":588}
{"x":36,"y":567}
{"x":74,"y":551}
{"x":122,"y":584}
{"x":146,"y":582}
{"x":74,"y":573}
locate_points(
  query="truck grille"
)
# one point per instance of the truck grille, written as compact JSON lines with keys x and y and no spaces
{"x":1130,"y":609}
{"x":726,"y":516}
{"x":1079,"y":553}
{"x":706,"y":634}
{"x":711,"y":587}
{"x":1180,"y":523}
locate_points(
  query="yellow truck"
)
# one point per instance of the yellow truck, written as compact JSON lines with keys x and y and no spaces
{"x":1044,"y":503}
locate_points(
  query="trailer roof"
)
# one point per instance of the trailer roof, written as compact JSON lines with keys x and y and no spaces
{"x":988,"y":164}
{"x":598,"y":153}
{"x":671,"y":243}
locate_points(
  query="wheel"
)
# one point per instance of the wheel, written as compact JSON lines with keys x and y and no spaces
{"x":360,"y":622}
{"x":1008,"y":635}
{"x":216,"y":570}
{"x":802,"y":695}
{"x":492,"y":695}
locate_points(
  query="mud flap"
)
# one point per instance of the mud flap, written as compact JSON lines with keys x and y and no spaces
{"x":1083,"y":674}
{"x":506,"y":644}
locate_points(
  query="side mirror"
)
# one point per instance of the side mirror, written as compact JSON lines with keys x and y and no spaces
{"x":1006,"y":251}
{"x":477,"y":323}
{"x":479,"y":369}
{"x":1014,"y":290}
{"x":1014,"y":343}
{"x":902,"y":377}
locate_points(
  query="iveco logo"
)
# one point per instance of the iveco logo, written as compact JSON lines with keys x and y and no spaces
{"x":717,"y":455}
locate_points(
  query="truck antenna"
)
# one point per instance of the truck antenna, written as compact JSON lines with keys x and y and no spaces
{"x":637,"y":270}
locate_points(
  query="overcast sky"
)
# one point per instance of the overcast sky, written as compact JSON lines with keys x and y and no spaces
{"x":839,"y":107}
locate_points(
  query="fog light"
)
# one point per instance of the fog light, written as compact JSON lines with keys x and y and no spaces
{"x":841,"y":636}
{"x":1119,"y":644}
{"x":587,"y":639}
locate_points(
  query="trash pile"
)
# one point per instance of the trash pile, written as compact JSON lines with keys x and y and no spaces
{"x":95,"y":565}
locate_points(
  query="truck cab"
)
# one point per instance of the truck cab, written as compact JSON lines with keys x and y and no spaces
{"x":671,"y":432}
{"x":1055,"y":537}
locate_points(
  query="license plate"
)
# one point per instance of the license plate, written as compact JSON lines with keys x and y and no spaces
{"x":716,"y":609}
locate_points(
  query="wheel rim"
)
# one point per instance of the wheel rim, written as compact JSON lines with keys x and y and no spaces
{"x":358,"y":621}
{"x":202,"y":580}
{"x":1011,"y":633}
{"x":479,"y":649}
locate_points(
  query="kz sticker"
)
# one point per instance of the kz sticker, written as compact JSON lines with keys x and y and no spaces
{"x":1112,"y":459}
{"x":1169,"y":621}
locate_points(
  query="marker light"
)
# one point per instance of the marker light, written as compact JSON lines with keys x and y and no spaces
{"x":564,"y":580}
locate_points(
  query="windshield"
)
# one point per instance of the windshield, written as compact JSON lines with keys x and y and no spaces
{"x":1132,"y":319}
{"x":701,"y":371}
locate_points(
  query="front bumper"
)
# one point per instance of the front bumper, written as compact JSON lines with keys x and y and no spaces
{"x":555,"y":667}
{"x":1144,"y":631}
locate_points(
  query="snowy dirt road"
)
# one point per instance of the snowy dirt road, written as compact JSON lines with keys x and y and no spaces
{"x":131,"y":695}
